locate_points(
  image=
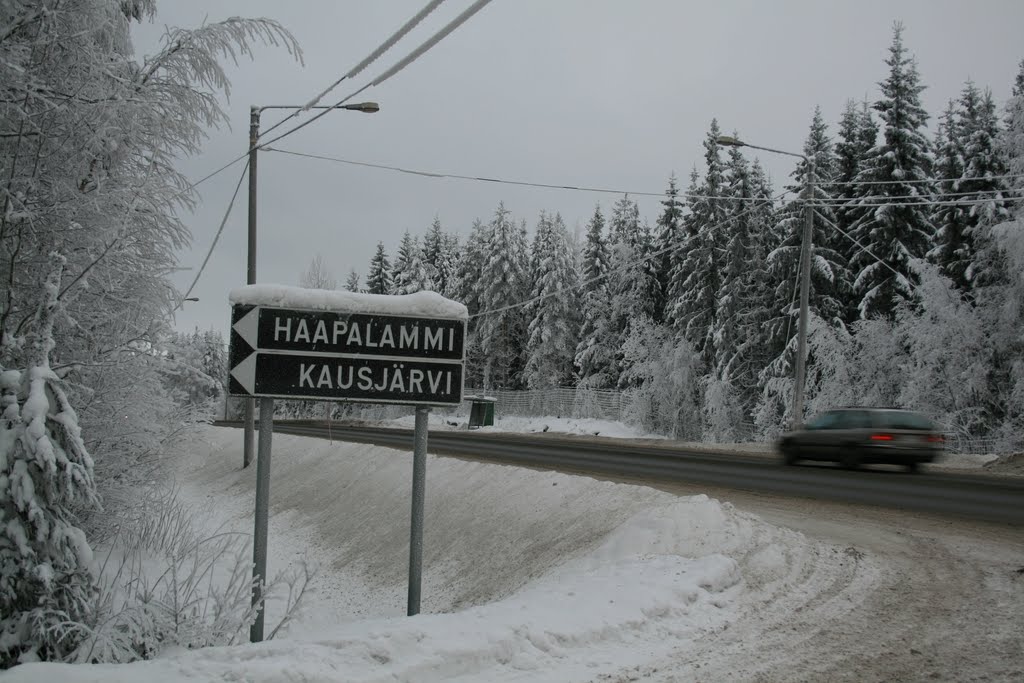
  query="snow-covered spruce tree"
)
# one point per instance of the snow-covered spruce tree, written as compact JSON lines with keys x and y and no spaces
{"x":896,"y":230}
{"x":669,"y":235}
{"x":554,"y":321}
{"x":753,"y":345}
{"x":985,"y":184}
{"x":352,"y":282}
{"x":830,"y":276}
{"x":409,"y":274}
{"x":632,"y":275}
{"x":677,"y":276}
{"x":953,"y":250}
{"x":502,"y":325}
{"x":595,"y":357}
{"x":378,"y":278}
{"x":857,"y":136}
{"x":433,"y":248}
{"x":694,"y":308}
{"x":468,"y":287}
{"x":447,"y":266}
{"x":47,"y":580}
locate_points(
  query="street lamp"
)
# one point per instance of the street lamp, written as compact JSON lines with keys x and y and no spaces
{"x":805,"y":271}
{"x":250,"y":274}
{"x":266,"y":404}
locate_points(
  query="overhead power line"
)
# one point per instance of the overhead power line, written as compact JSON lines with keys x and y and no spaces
{"x":924,"y":181}
{"x":623,"y":266}
{"x":505,"y":181}
{"x":402,"y":63}
{"x":584,"y":188}
{"x":358,"y":68}
{"x":216,"y":237}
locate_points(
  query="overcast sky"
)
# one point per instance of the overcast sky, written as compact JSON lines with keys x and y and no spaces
{"x":600,"y":93}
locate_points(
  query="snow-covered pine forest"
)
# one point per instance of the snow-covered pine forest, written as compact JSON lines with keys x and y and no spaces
{"x":916,"y":288}
{"x":918,"y":299}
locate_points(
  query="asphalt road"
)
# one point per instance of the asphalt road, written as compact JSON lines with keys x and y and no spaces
{"x":975,"y":496}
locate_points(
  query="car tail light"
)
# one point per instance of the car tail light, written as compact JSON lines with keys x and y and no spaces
{"x":936,"y":438}
{"x":881,"y":437}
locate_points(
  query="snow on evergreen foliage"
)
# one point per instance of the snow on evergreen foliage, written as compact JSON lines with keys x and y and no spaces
{"x":552,"y":330}
{"x":47,"y":580}
{"x":899,"y":233}
{"x":504,"y":279}
{"x":89,"y":174}
{"x":410,"y":274}
{"x":378,"y":278}
{"x":595,"y":356}
{"x":667,"y":241}
{"x":954,"y":249}
{"x":695,"y":306}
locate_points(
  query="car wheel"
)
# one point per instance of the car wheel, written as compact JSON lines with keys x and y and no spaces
{"x":913,"y":467}
{"x":789,"y":456}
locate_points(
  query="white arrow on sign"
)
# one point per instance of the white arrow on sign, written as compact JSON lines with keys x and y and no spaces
{"x":245,"y":373}
{"x":248,"y":327}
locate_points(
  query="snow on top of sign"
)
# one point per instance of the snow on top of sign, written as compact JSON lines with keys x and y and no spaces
{"x":420,"y":304}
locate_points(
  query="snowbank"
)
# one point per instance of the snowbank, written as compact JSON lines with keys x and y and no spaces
{"x":529,"y":575}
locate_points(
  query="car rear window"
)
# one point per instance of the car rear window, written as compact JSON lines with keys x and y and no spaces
{"x":900,"y":419}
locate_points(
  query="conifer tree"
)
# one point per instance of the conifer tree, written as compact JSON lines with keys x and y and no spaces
{"x":984,"y":186}
{"x":953,"y":251}
{"x":733,"y":293}
{"x":502,"y":323}
{"x":830,"y":276}
{"x":896,"y":230}
{"x":378,"y":279}
{"x":447,"y":266}
{"x":667,"y":244}
{"x":553,"y":323}
{"x":595,"y":356}
{"x":409,"y":274}
{"x":352,"y":283}
{"x":433,"y":250}
{"x":695,"y":306}
{"x":754,"y":346}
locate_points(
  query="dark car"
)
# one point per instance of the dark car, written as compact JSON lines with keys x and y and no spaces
{"x":857,"y":436}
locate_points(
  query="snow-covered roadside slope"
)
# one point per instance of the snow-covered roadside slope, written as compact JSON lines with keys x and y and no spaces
{"x":528,"y":575}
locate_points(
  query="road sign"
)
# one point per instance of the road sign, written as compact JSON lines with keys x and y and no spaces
{"x":267,"y":328}
{"x":333,"y":355}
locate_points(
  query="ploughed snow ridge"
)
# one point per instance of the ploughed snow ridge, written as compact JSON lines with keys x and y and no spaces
{"x":528,"y":575}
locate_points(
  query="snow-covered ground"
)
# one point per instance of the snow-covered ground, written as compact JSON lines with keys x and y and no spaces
{"x":537,"y":576}
{"x":528,"y":575}
{"x":529,"y":425}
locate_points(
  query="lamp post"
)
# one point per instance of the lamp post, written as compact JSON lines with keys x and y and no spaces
{"x":250,"y":271}
{"x":259,"y":543}
{"x":805,"y":272}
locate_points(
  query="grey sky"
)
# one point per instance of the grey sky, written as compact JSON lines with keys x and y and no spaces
{"x":585,"y":92}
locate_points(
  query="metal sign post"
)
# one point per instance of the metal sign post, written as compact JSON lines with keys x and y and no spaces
{"x":419,"y":476}
{"x":259,"y":539}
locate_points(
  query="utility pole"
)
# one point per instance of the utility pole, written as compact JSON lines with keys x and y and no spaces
{"x":250,"y":272}
{"x":805,"y":293}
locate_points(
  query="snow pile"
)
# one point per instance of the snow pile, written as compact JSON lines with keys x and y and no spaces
{"x":420,"y":304}
{"x":529,"y":575}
